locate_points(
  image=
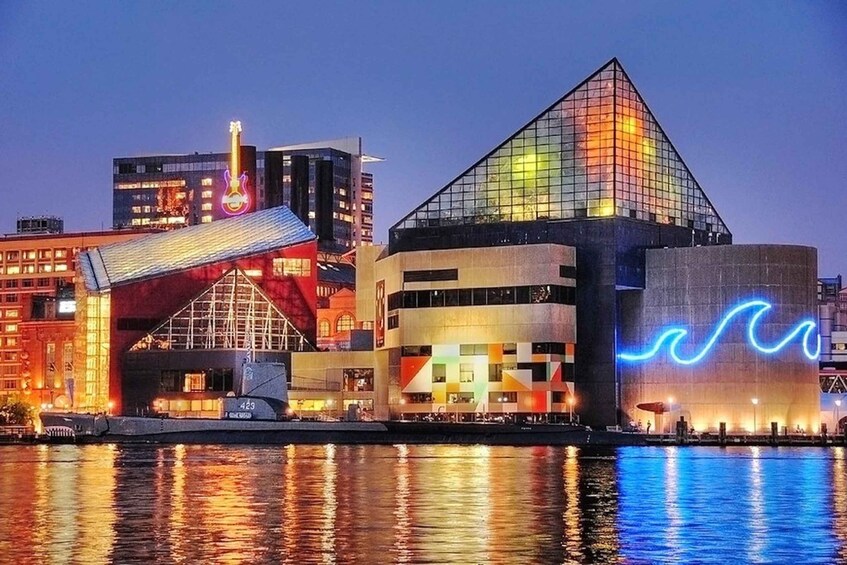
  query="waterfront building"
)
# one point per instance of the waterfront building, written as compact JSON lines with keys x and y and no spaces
{"x":577,"y":269}
{"x":595,"y":173}
{"x":322,"y":182}
{"x":37,"y":310}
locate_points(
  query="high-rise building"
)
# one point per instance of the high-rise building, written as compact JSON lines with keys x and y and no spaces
{"x":322,"y":182}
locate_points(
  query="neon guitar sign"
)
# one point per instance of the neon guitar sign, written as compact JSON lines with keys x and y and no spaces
{"x":235,"y":200}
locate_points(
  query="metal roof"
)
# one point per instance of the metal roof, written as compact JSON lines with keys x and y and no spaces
{"x":163,"y":253}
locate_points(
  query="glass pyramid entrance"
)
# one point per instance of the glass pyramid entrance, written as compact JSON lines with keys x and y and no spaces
{"x":597,"y":152}
{"x":233,"y":313}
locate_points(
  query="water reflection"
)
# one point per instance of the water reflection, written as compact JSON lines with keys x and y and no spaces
{"x":404,"y":504}
{"x":764,"y":504}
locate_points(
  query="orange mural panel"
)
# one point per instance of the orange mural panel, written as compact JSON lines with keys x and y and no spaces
{"x":495,"y":352}
{"x":539,"y":401}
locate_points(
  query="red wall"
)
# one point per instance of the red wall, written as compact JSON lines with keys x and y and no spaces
{"x":161,"y":297}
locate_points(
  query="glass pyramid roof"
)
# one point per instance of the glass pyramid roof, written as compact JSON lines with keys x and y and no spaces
{"x":162,"y":253}
{"x":233,"y":313}
{"x":596,"y":152}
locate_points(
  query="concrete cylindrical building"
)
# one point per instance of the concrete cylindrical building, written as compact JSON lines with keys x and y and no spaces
{"x":723,"y":334}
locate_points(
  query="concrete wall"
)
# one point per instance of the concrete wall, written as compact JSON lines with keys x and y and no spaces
{"x":694,"y":288}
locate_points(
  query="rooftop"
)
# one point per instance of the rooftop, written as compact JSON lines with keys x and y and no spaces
{"x":163,"y":253}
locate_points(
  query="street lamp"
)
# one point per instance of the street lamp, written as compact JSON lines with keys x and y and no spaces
{"x":571,"y":401}
{"x":755,"y":402}
{"x":402,"y":402}
{"x":837,"y":418}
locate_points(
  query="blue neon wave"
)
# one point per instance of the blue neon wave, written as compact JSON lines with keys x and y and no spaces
{"x":674,"y":335}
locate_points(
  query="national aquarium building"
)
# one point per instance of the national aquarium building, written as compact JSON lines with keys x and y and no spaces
{"x":576,"y":270}
{"x":581,"y":263}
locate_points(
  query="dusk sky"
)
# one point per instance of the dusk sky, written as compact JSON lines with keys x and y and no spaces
{"x":753,"y":95}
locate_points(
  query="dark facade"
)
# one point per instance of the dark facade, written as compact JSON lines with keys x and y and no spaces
{"x":173,"y":191}
{"x":322,"y":183}
{"x":594,"y":171}
{"x":40,"y":224}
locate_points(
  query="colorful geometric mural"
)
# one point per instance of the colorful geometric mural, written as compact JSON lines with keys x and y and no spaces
{"x":520,"y":377}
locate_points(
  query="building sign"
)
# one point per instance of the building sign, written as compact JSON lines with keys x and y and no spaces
{"x":380,"y":314}
{"x":672,"y":337}
{"x":235,"y":200}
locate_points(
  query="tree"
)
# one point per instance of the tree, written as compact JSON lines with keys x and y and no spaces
{"x":16,"y":413}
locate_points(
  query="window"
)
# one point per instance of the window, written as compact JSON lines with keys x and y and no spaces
{"x":206,"y":194}
{"x":195,"y":382}
{"x":292,"y":267}
{"x":439,"y":373}
{"x":359,"y":379}
{"x":206,"y":182}
{"x":323,"y":328}
{"x":205,"y":219}
{"x":502,"y":397}
{"x":12,"y":313}
{"x":9,"y":384}
{"x":416,"y":351}
{"x":206,"y":207}
{"x":10,"y":328}
{"x":466,"y":372}
{"x":473,"y":349}
{"x":344,"y":322}
{"x":393,"y":321}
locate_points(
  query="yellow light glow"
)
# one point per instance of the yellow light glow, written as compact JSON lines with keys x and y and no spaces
{"x":525,"y":166}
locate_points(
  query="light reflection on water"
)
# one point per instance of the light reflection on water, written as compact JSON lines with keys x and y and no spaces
{"x":412,"y":504}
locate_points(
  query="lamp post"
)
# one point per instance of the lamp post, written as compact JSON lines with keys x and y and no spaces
{"x":402,"y":403}
{"x":571,"y":401}
{"x":837,"y":416}
{"x":755,"y":402}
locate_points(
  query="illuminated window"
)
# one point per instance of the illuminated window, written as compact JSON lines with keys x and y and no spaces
{"x":253,"y":273}
{"x":12,"y":313}
{"x":195,"y":382}
{"x":61,"y":253}
{"x":11,"y":342}
{"x":61,"y":267}
{"x":45,"y":254}
{"x":136,"y":209}
{"x":13,"y":270}
{"x":206,"y":182}
{"x":11,"y":328}
{"x":29,"y":268}
{"x":323,"y":328}
{"x":465,"y":372}
{"x":345,"y":322}
{"x":206,"y":207}
{"x":206,"y":194}
{"x":206,"y":219}
{"x":12,"y":256}
{"x":30,"y":254}
{"x":292,"y":267}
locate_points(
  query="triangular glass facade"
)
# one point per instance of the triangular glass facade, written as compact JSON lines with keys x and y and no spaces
{"x":233,"y":313}
{"x":597,"y":152}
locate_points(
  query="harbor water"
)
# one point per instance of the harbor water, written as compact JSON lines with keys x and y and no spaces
{"x":421,"y":504}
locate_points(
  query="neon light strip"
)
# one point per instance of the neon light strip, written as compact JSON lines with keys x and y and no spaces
{"x":673,"y":336}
